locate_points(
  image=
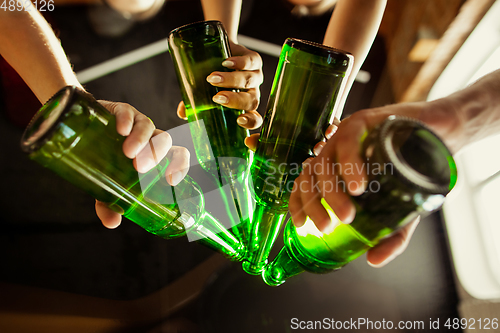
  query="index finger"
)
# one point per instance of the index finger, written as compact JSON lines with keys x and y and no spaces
{"x":178,"y":166}
{"x":250,"y":61}
{"x":153,"y":152}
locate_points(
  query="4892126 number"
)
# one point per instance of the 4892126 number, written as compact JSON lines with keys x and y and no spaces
{"x":472,"y":323}
{"x":27,"y":5}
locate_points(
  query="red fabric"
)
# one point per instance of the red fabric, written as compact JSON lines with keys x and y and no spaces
{"x":19,"y":102}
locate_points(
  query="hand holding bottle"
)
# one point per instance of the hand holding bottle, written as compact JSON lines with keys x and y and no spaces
{"x":409,"y":171}
{"x":246,"y":76}
{"x":343,"y":151}
{"x":146,"y":145}
{"x":461,"y":118}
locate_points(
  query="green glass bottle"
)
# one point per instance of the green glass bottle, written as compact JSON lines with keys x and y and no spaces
{"x":76,"y":137}
{"x":302,"y":104}
{"x":198,"y":49}
{"x":410,"y":171}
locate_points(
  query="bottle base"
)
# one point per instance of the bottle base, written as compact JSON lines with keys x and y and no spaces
{"x":253,"y":269}
{"x":270,"y":278}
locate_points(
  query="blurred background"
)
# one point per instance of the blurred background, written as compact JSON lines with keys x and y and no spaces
{"x":62,"y":271}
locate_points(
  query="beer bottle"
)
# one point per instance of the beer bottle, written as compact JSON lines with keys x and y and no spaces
{"x":198,"y":49}
{"x":410,"y":171}
{"x":76,"y":137}
{"x":306,"y":91}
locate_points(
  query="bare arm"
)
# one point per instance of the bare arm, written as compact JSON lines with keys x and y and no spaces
{"x":468,"y":115}
{"x":226,"y":11}
{"x":29,"y":45}
{"x":352,"y":28}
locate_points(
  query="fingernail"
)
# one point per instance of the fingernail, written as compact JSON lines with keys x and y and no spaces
{"x":242,"y":121}
{"x":318,"y":148}
{"x":298,"y":224}
{"x":175,"y":178}
{"x":356,"y":191}
{"x":328,"y":228}
{"x":214,"y":79}
{"x":330,"y":131}
{"x":350,"y":217}
{"x":221,"y":99}
{"x":228,"y":63}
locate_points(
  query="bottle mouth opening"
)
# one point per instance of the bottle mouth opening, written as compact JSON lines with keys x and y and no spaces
{"x":271,"y":277}
{"x":197,"y":31}
{"x":43,"y":125}
{"x":320,"y":49}
{"x":418,"y":155}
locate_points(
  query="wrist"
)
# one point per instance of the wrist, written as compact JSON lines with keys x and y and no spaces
{"x":443,"y":116}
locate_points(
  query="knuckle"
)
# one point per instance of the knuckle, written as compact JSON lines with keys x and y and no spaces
{"x":179,"y":152}
{"x":254,"y":104}
{"x":184,"y":151}
{"x":251,"y":62}
{"x":167,"y":137}
{"x":246,"y":80}
{"x":113,"y":107}
{"x":124,"y":107}
{"x":148,"y":123}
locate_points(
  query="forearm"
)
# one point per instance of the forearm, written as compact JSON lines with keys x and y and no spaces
{"x":226,"y":11}
{"x":471,"y":114}
{"x":352,"y":28}
{"x":29,"y":45}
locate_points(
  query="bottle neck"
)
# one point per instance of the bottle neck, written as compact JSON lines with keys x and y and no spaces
{"x":301,"y":254}
{"x":210,"y":232}
{"x":266,"y":224}
{"x":283,"y":267}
